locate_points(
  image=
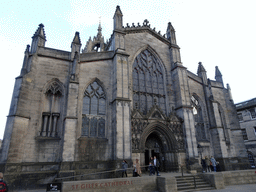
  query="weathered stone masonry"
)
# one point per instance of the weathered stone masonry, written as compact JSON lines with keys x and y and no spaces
{"x":128,"y":98}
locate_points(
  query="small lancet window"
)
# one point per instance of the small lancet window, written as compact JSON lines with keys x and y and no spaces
{"x":94,"y":111}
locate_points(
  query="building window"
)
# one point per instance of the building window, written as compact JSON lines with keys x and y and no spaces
{"x":251,"y":159}
{"x":252,"y":112}
{"x":244,"y":134}
{"x":51,"y":112}
{"x":148,"y":83}
{"x":198,"y":118}
{"x":240,"y":116}
{"x":255,"y":130}
{"x":94,"y":110}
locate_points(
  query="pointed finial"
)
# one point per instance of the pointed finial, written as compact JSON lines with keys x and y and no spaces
{"x":40,"y":31}
{"x":218,"y":75}
{"x":200,"y":68}
{"x":217,"y":72}
{"x":76,"y":39}
{"x":27,"y":48}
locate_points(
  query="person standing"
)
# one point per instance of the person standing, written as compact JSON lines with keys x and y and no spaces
{"x":137,"y":169}
{"x":208,"y":164}
{"x":156,"y":165}
{"x":203,"y":162}
{"x":124,"y":166}
{"x":151,"y":166}
{"x":3,"y":185}
{"x":214,"y":163}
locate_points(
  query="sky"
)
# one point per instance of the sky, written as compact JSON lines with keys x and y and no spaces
{"x":217,"y":33}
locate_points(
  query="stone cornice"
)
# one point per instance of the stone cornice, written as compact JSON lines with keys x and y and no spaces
{"x":120,"y":99}
{"x":19,"y":116}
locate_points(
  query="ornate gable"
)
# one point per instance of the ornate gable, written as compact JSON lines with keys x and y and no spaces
{"x":136,"y":114}
{"x":156,"y":113}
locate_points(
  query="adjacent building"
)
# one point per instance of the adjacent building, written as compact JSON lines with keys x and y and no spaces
{"x":130,"y":97}
{"x":247,"y":119}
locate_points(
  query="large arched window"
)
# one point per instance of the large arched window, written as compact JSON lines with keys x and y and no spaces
{"x":51,"y":112}
{"x":94,"y":110}
{"x":198,"y":117}
{"x":148,"y":83}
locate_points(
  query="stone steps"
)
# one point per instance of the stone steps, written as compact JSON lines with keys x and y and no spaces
{"x":187,"y":183}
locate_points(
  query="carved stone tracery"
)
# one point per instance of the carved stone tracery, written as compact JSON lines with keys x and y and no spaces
{"x":140,"y":122}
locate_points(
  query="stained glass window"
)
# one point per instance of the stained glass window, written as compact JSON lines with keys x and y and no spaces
{"x":94,"y":110}
{"x":148,"y":83}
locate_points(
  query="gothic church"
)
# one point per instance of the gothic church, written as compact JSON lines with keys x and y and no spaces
{"x":129,"y":97}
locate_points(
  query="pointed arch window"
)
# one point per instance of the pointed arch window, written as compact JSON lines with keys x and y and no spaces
{"x":51,"y":111}
{"x":94,"y":111}
{"x":198,"y":118}
{"x":148,"y":83}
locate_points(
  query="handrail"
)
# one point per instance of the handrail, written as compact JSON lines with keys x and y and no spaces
{"x":61,"y":178}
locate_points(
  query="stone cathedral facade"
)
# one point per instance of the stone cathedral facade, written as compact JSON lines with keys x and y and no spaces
{"x":129,"y":97}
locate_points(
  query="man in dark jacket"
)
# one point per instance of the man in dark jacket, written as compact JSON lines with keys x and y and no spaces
{"x":156,"y":165}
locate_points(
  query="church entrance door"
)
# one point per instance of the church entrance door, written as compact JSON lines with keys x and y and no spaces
{"x":154,"y":147}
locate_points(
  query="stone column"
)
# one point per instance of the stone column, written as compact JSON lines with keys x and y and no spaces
{"x":184,"y":108}
{"x":121,"y":106}
{"x":70,"y":123}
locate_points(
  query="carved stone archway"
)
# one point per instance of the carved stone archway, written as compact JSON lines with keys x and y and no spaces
{"x":157,"y":135}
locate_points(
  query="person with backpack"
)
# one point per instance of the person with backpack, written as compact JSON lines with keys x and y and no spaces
{"x":3,"y":185}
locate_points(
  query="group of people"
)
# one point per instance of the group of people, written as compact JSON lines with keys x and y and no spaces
{"x":209,"y":165}
{"x":153,"y":167}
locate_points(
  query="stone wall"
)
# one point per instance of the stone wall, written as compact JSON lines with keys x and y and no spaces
{"x":149,"y":184}
{"x":221,"y":179}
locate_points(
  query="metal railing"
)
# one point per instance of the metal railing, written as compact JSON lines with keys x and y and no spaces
{"x":95,"y":173}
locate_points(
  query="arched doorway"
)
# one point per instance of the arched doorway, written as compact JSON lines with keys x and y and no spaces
{"x":154,"y":147}
{"x":157,"y":135}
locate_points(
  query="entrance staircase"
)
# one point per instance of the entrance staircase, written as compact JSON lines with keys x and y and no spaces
{"x":192,"y":183}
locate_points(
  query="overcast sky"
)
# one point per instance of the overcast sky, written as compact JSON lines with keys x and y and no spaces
{"x":218,"y":33}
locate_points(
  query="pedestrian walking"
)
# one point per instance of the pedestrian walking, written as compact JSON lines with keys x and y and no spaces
{"x":124,"y":166}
